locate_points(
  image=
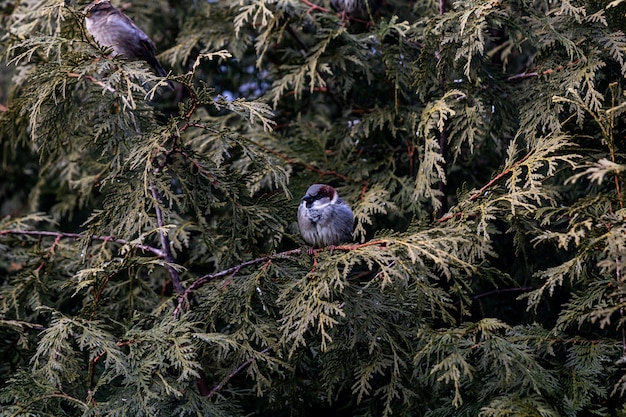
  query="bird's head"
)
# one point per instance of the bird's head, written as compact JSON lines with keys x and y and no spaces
{"x":97,"y":5}
{"x":320,"y":194}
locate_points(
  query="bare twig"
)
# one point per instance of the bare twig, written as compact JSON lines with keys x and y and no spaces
{"x":131,"y":105}
{"x":99,"y":83}
{"x":165,"y":243}
{"x":47,"y":256}
{"x":501,"y":291}
{"x":498,"y":177}
{"x":531,"y":74}
{"x":618,"y":276}
{"x":63,"y":235}
{"x":265,"y":260}
{"x":313,"y":6}
{"x":230,"y":271}
{"x":443,"y":144}
{"x":240,"y":368}
{"x":92,"y":363}
{"x":496,"y":292}
{"x":482,"y":190}
{"x":199,"y":167}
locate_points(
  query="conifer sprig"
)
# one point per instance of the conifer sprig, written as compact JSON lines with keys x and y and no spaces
{"x":150,"y":253}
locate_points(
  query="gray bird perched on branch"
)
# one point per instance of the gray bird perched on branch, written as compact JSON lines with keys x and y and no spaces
{"x":112,"y":28}
{"x":324,"y":218}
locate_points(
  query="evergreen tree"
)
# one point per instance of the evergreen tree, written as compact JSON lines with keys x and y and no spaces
{"x":150,"y":255}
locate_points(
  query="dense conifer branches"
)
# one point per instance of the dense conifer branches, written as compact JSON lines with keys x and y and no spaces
{"x":151,"y":262}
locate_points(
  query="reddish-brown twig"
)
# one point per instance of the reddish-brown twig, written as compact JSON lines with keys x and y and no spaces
{"x":228,"y":377}
{"x":63,"y":235}
{"x":313,"y":6}
{"x":497,"y":178}
{"x":482,"y":190}
{"x":265,"y":260}
{"x":351,"y":246}
{"x":199,"y":167}
{"x":47,"y":256}
{"x":165,"y":243}
{"x":531,"y":74}
{"x":93,"y":362}
{"x":182,"y":300}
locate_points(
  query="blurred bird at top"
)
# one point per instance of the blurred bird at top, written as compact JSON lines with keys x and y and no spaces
{"x":112,"y":28}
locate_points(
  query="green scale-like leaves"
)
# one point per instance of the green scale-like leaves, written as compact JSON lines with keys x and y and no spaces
{"x":150,"y":254}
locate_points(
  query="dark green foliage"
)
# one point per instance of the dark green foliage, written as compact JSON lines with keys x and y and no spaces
{"x":150,"y":257}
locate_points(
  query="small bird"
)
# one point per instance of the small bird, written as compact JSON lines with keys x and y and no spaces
{"x":324,"y":218}
{"x":112,"y":28}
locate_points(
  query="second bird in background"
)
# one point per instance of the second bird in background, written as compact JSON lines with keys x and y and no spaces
{"x":112,"y":28}
{"x":324,"y":218}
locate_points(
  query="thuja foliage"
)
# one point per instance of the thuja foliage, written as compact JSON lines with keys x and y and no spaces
{"x":151,"y":262}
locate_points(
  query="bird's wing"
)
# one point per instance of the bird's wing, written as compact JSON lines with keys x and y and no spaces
{"x":126,"y":25}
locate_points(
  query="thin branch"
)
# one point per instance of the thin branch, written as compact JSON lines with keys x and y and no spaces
{"x":501,"y":291}
{"x":343,"y":15}
{"x":45,"y":398}
{"x":443,"y":142}
{"x":230,"y":271}
{"x":497,"y":178}
{"x":525,"y":75}
{"x":131,"y":105}
{"x":240,"y":368}
{"x":350,"y":247}
{"x":63,"y":235}
{"x":48,"y":255}
{"x":618,"y":276}
{"x":313,"y":6}
{"x":482,"y":190}
{"x":199,"y":167}
{"x":92,"y":363}
{"x":165,"y":243}
{"x":99,"y":83}
{"x":265,"y":260}
{"x":313,"y":90}
{"x":496,"y":292}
